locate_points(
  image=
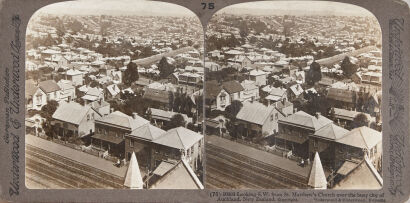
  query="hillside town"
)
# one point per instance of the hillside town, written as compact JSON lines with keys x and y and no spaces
{"x":114,"y":102}
{"x":293,"y":102}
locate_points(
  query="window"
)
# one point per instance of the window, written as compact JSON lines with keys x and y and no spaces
{"x":39,"y":98}
{"x":48,"y":97}
{"x":105,"y":132}
{"x":271,"y":117}
{"x":131,"y":143}
{"x":92,"y":116}
{"x":192,"y":150}
{"x":276,"y":116}
{"x":88,"y":117}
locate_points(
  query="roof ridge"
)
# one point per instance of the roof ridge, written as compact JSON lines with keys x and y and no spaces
{"x":179,"y":137}
{"x":362,"y":135}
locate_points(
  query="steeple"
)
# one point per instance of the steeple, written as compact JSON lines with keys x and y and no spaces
{"x":317,"y":178}
{"x":133,"y":179}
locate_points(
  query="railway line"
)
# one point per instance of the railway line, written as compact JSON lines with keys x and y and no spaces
{"x":229,"y":170}
{"x":48,"y":170}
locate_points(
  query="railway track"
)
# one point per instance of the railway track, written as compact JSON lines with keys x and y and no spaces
{"x":51,"y":170}
{"x":226,"y":169}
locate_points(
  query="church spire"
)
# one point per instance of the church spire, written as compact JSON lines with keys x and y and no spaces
{"x":133,"y":178}
{"x":317,"y":178}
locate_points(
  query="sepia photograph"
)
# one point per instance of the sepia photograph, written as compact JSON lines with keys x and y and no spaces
{"x":293,"y":97}
{"x":112,"y":96}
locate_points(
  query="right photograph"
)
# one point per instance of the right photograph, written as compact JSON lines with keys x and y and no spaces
{"x":293,"y":96}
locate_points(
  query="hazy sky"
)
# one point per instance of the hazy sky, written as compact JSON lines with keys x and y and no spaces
{"x":297,"y":8}
{"x":117,"y":7}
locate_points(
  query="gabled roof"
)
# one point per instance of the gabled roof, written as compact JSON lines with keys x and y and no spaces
{"x":303,"y":119}
{"x":65,"y":85}
{"x":257,"y":72}
{"x":94,"y":91}
{"x":71,"y":112}
{"x":181,"y":176}
{"x":249,"y":85}
{"x":362,"y":176}
{"x":166,"y":115}
{"x":120,"y":119}
{"x":232,"y":86}
{"x":362,"y":137}
{"x":179,"y":138}
{"x":31,"y":88}
{"x":332,"y":132}
{"x":148,"y":132}
{"x":277,"y":91}
{"x":133,"y":178}
{"x":49,"y":86}
{"x":73,"y":72}
{"x":113,"y":89}
{"x":341,"y":95}
{"x":317,"y":178}
{"x":296,"y":89}
{"x":157,"y":95}
{"x":254,"y":112}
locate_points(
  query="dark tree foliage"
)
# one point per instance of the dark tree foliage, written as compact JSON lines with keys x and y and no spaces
{"x":348,"y":67}
{"x":48,"y":110}
{"x":233,"y":109}
{"x":315,"y":104}
{"x":215,"y":43}
{"x":131,"y":74}
{"x":314,"y":74}
{"x":359,"y":121}
{"x":165,"y":69}
{"x":94,"y":84}
{"x":176,"y":121}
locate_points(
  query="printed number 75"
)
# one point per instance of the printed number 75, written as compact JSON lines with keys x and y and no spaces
{"x":210,"y":5}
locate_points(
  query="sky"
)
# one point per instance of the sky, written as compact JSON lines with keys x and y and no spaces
{"x":116,"y":7}
{"x":297,"y":8}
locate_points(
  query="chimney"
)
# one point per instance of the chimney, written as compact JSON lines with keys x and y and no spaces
{"x":134,"y":115}
{"x":317,"y":115}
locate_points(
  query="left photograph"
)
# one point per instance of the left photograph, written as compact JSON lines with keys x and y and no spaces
{"x":114,"y":96}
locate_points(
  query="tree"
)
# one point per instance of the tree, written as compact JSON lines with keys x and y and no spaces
{"x":176,"y":121}
{"x":233,"y":109}
{"x":94,"y":84}
{"x":360,"y":120}
{"x":348,"y":67}
{"x":48,"y":110}
{"x":314,"y":74}
{"x":131,"y":74}
{"x":165,"y":69}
